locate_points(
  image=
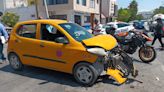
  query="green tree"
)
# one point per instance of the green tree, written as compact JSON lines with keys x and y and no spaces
{"x":123,"y":15}
{"x":139,"y":17}
{"x":10,"y":19}
{"x":133,"y":9}
{"x":159,"y":10}
{"x":31,"y":2}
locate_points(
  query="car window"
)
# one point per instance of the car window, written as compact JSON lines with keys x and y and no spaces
{"x":122,"y":25}
{"x":27,"y":30}
{"x":163,"y":21}
{"x":77,"y":32}
{"x":106,"y":26}
{"x":50,"y":33}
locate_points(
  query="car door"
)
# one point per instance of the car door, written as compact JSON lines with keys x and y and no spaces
{"x":52,"y":55}
{"x":26,"y":42}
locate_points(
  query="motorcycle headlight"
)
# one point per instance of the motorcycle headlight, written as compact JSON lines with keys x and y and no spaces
{"x":131,"y":34}
{"x":98,"y":51}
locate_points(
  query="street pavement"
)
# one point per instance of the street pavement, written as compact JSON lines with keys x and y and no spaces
{"x":31,"y":79}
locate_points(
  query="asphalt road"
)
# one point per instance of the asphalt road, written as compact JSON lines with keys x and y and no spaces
{"x":31,"y":79}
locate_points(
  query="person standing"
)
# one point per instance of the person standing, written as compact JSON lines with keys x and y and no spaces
{"x":97,"y":28}
{"x":158,"y":32}
{"x":3,"y":36}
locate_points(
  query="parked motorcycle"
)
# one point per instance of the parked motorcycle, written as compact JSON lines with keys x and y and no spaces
{"x":130,"y":41}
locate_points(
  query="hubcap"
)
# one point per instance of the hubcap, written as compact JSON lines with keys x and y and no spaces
{"x":14,"y":61}
{"x":84,"y":74}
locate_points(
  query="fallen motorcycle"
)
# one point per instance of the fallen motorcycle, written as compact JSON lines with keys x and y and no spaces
{"x":130,"y":41}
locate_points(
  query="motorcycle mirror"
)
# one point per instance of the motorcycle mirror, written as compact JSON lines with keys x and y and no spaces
{"x":110,"y":31}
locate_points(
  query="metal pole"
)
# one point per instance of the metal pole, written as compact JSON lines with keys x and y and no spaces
{"x":36,"y":7}
{"x":45,"y":3}
{"x":4,"y":5}
{"x":14,"y":3}
{"x":100,"y":10}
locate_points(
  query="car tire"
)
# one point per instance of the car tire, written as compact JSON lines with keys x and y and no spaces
{"x":15,"y":62}
{"x":85,"y":74}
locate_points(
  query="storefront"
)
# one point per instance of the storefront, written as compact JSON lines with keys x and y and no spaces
{"x":82,"y":18}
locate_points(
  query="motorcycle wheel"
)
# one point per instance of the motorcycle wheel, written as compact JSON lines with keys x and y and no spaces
{"x":147,"y":54}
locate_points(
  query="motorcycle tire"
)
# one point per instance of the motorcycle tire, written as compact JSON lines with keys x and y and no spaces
{"x":147,"y":56}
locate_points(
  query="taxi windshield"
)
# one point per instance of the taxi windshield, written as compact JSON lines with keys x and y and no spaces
{"x":77,"y":32}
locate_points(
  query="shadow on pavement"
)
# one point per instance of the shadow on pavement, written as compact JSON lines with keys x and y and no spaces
{"x":159,"y":49}
{"x":108,"y":80}
{"x":131,"y":80}
{"x":44,"y":74}
{"x":50,"y":76}
{"x":139,"y":61}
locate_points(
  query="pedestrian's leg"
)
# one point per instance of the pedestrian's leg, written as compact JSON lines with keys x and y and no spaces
{"x":1,"y":52}
{"x":160,"y":40}
{"x":155,"y":38}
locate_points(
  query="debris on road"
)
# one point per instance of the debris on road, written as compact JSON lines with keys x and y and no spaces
{"x":132,"y":86}
{"x":157,"y":78}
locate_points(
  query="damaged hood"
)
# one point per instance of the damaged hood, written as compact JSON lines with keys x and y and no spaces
{"x":107,"y":42}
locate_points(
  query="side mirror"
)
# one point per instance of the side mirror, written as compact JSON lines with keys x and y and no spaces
{"x":61,"y":40}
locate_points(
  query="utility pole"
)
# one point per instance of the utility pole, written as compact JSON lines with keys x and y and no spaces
{"x":4,"y":6}
{"x":36,"y":7}
{"x":100,"y":11}
{"x":14,"y":3}
{"x":45,"y":3}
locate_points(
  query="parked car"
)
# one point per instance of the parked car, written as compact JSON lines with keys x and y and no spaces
{"x":120,"y":27}
{"x":139,"y":24}
{"x":69,"y":48}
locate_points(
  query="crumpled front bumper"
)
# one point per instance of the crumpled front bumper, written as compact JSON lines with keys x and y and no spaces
{"x":103,"y":68}
{"x":117,"y":75}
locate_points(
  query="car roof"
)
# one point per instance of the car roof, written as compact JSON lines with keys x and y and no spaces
{"x":116,"y":23}
{"x":56,"y":21}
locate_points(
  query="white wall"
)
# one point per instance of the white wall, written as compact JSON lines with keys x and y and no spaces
{"x":111,"y":7}
{"x":1,"y":6}
{"x":87,"y":8}
{"x":107,"y":6}
{"x":25,"y":13}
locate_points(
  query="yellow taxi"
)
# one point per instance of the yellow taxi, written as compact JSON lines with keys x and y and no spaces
{"x":61,"y":46}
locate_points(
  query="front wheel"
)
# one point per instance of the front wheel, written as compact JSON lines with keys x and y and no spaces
{"x":85,"y":74}
{"x":147,"y":54}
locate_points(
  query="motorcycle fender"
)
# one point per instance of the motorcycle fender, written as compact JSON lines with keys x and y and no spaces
{"x":117,"y":75}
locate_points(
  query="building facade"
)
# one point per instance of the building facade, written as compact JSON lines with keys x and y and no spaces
{"x":24,"y":13}
{"x":2,"y":6}
{"x":19,"y":7}
{"x":146,"y":15}
{"x":8,"y":4}
{"x":81,"y":12}
{"x":109,"y":10}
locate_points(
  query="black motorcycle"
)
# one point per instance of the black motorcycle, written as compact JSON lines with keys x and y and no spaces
{"x":132,"y":40}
